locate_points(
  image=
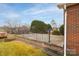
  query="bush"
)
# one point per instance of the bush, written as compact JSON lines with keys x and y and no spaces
{"x":17,"y":48}
{"x":56,"y":32}
{"x":39,"y":27}
{"x":61,"y":29}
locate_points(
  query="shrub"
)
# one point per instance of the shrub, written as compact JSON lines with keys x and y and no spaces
{"x":56,"y":32}
{"x":39,"y":27}
{"x":61,"y":29}
{"x":17,"y":48}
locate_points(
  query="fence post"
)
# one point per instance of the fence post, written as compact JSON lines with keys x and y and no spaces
{"x":49,"y":36}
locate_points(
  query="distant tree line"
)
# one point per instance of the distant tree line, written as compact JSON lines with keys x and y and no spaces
{"x":16,"y":30}
{"x":15,"y":27}
{"x":37,"y":26}
{"x":41,"y":27}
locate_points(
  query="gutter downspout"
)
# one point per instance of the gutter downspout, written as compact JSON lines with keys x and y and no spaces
{"x":65,"y":28}
{"x":64,"y":6}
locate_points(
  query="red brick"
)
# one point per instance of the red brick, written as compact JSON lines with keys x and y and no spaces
{"x":73,"y":28}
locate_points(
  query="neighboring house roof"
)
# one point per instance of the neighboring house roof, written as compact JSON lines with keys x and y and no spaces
{"x":67,"y":5}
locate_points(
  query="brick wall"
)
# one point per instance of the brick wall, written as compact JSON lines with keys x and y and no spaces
{"x":73,"y":28}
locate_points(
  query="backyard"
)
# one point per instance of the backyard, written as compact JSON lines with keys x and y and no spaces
{"x":17,"y":45}
{"x":32,"y":30}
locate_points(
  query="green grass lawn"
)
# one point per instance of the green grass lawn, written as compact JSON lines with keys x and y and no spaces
{"x":17,"y":48}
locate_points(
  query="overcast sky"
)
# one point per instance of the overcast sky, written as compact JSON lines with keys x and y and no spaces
{"x":26,"y":13}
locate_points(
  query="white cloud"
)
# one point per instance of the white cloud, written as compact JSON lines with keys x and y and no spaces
{"x":36,"y":11}
{"x":11,"y":15}
{"x":7,"y":13}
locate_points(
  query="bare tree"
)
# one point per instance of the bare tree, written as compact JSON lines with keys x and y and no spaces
{"x":15,"y":27}
{"x":10,"y":25}
{"x":54,"y":25}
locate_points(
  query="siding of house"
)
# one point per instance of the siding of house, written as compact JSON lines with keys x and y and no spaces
{"x":73,"y":28}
